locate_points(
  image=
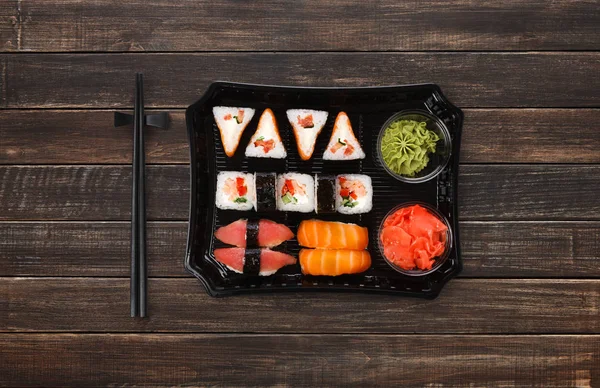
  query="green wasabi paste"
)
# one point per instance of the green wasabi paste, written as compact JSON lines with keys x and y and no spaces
{"x":406,"y":145}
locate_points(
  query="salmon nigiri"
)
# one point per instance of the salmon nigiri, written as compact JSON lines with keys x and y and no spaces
{"x":333,"y":262}
{"x":332,"y":235}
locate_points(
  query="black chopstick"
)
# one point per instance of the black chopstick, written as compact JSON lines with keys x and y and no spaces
{"x":138,"y":207}
{"x":139,"y":271}
{"x":141,"y":213}
{"x":135,"y":272}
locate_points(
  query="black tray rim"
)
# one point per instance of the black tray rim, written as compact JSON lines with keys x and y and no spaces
{"x":211,"y":291}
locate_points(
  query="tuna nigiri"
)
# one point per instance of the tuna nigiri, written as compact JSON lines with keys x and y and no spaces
{"x":263,"y":262}
{"x":333,"y":262}
{"x":332,"y":235}
{"x":264,"y":233}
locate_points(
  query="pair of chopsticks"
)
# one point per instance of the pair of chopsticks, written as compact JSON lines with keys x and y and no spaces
{"x":139,"y":273}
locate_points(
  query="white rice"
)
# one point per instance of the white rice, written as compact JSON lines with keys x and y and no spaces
{"x":222,"y":200}
{"x":306,"y":203}
{"x":365,"y":204}
{"x":342,"y":132}
{"x":267,"y":129}
{"x":231,"y":131}
{"x":306,"y":137}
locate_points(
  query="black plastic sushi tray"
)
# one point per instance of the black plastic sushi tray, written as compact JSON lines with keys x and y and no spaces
{"x":368,"y":109}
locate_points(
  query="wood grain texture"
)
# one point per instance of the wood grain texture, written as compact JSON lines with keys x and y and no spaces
{"x":531,"y":136}
{"x":489,"y":249}
{"x":10,"y":25}
{"x":529,"y":192}
{"x":88,"y":248}
{"x":486,"y":192}
{"x":489,"y":136}
{"x":181,"y":305}
{"x":85,"y":137}
{"x":339,"y":25}
{"x":177,"y":80}
{"x":299,"y":360}
{"x":90,"y":192}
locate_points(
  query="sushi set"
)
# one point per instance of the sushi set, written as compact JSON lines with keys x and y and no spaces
{"x":344,"y":189}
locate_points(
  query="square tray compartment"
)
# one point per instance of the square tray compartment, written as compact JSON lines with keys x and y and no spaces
{"x":368,"y":109}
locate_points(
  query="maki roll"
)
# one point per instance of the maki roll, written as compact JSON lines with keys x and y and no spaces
{"x":235,"y":191}
{"x":265,"y":183}
{"x":324,"y":194}
{"x":295,"y":193}
{"x":354,"y":194}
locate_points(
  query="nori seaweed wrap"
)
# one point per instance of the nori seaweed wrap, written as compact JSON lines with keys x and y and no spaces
{"x":325,"y":194}
{"x":265,"y":183}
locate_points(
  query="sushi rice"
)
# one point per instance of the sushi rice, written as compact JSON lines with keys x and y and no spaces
{"x":358,"y":191}
{"x":306,"y":133}
{"x":302,"y":200}
{"x":227,"y":200}
{"x":266,"y":132}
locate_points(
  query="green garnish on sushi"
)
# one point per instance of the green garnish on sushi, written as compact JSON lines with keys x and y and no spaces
{"x":341,"y":142}
{"x":240,"y":200}
{"x":288,"y":198}
{"x":348,"y":202}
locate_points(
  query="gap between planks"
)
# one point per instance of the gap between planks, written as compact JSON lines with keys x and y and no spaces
{"x":289,"y":334}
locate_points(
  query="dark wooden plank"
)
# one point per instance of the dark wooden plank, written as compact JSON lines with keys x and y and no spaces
{"x":160,"y":25}
{"x":177,"y":80}
{"x":299,"y":360}
{"x":90,"y":192}
{"x":529,"y":192}
{"x":10,"y":25}
{"x":87,"y":248}
{"x":486,"y":192}
{"x":530,"y":249}
{"x":49,"y":136}
{"x":489,"y":136}
{"x":181,"y":305}
{"x":531,"y":136}
{"x":489,"y":249}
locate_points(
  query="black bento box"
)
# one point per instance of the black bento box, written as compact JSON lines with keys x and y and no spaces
{"x":368,"y":109}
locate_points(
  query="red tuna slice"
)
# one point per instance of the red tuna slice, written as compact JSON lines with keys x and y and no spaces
{"x":233,"y":234}
{"x":270,"y":261}
{"x":270,"y":233}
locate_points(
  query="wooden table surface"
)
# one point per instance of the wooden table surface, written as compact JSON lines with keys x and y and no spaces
{"x":526,"y":309}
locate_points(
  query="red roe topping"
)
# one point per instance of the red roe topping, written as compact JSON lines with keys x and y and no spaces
{"x":412,"y":237}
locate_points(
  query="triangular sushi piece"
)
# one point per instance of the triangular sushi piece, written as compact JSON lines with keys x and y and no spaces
{"x":231,"y":122}
{"x":266,"y":142}
{"x":307,"y":125}
{"x":343,"y":145}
